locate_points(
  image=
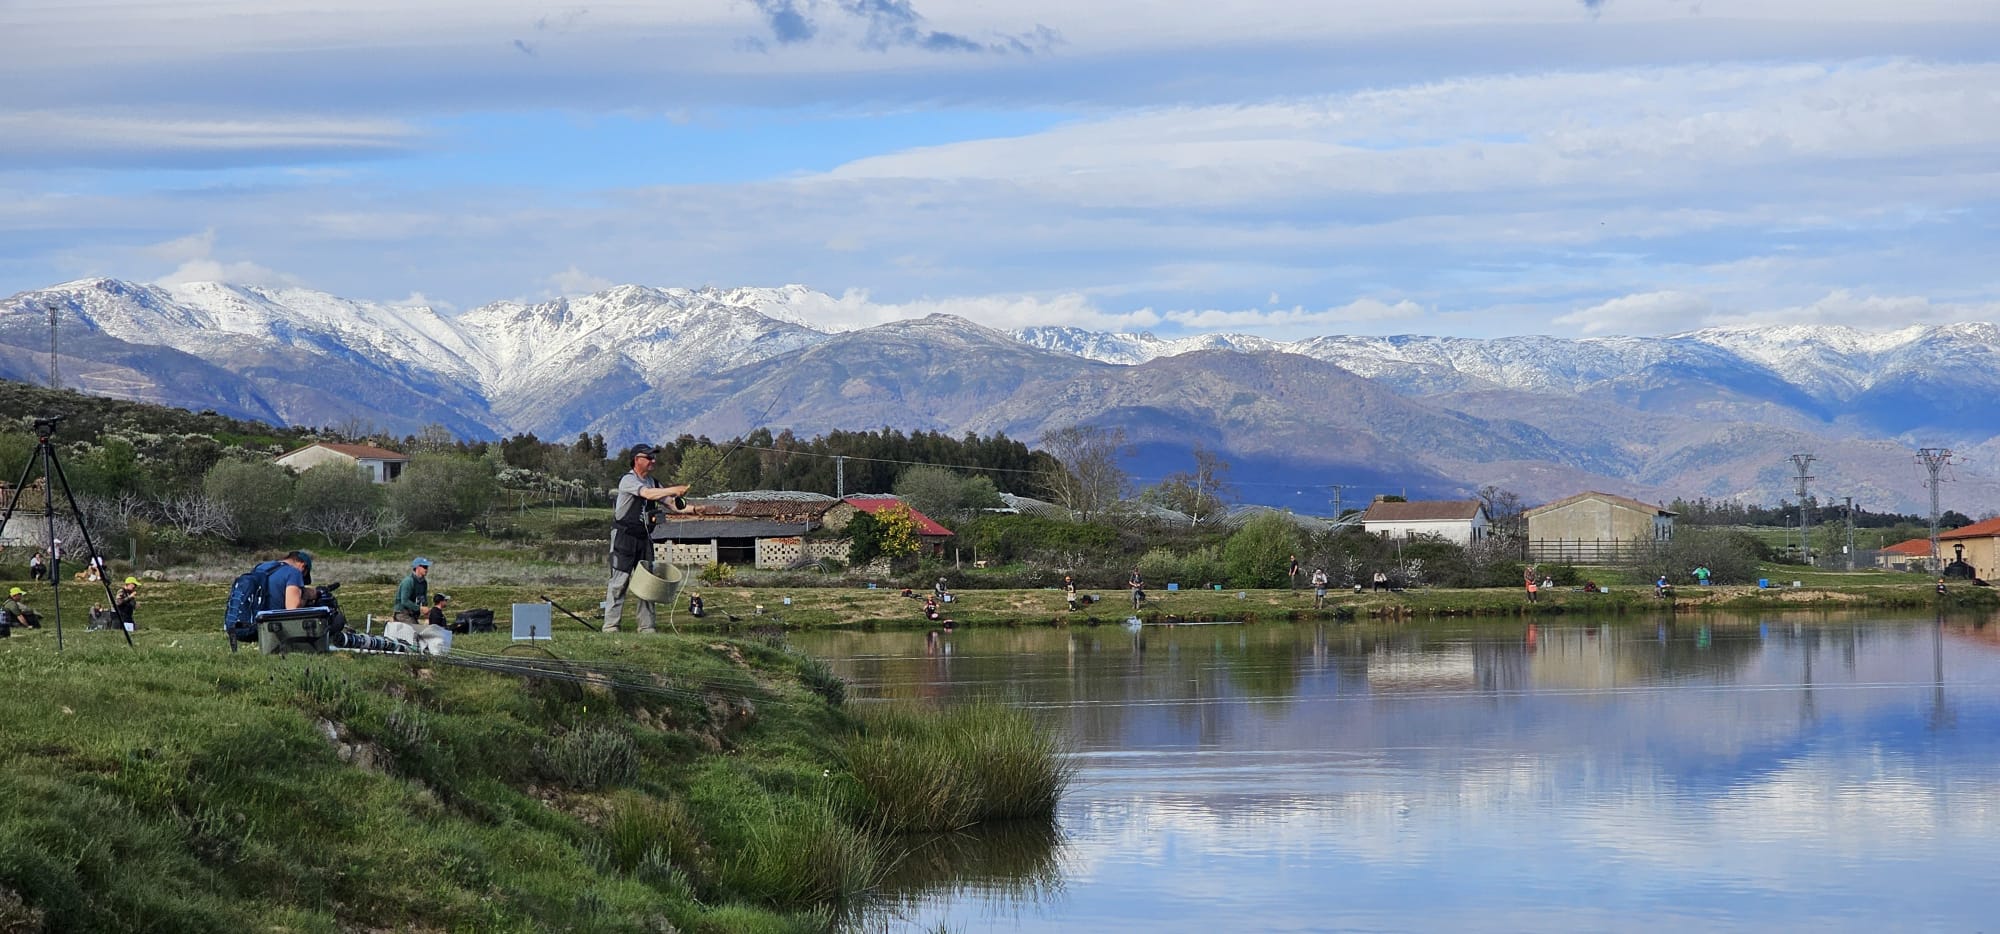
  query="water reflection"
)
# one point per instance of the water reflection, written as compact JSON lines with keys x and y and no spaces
{"x":1783,"y":771}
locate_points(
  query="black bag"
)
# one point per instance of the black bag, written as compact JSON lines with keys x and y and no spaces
{"x":475,"y":620}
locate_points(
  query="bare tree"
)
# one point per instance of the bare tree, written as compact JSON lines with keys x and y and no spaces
{"x":1086,"y":478}
{"x":433,"y":439}
{"x":194,"y":516}
{"x":389,"y":526}
{"x":1503,"y":510}
{"x":1202,"y":493}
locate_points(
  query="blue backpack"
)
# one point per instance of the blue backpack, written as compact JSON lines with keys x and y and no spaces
{"x":248,"y":596}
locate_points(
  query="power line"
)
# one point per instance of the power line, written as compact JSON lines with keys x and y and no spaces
{"x":1935,"y":460}
{"x":837,"y":458}
{"x":1803,"y":461}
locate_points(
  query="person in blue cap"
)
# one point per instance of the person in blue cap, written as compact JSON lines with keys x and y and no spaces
{"x":289,"y":580}
{"x":413,"y":595}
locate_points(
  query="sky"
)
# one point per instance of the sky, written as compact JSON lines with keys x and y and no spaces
{"x":1474,"y":168}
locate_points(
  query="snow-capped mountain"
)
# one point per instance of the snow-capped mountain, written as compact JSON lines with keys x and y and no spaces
{"x":1710,"y":412}
{"x":507,"y":365}
{"x":1108,"y":347}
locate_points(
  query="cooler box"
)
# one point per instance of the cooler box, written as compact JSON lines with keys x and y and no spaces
{"x":303,"y":630}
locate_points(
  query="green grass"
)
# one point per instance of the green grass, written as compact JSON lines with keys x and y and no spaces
{"x":937,"y":771}
{"x":179,"y":787}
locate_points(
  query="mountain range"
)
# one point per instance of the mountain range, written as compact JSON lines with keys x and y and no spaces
{"x":1714,"y":412}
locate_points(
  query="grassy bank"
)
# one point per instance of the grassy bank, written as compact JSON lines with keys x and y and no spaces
{"x":693,"y":784}
{"x":195,"y":607}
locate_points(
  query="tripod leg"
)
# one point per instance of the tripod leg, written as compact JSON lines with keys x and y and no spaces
{"x":55,"y":472}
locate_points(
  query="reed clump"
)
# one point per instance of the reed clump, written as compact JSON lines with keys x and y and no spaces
{"x":937,"y":770}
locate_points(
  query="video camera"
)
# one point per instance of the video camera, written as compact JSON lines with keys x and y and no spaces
{"x":45,"y":425}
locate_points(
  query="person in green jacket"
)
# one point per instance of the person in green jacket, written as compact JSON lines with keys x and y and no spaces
{"x":413,"y":596}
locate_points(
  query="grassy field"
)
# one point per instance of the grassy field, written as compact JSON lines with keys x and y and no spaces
{"x":691,"y":783}
{"x":194,"y":607}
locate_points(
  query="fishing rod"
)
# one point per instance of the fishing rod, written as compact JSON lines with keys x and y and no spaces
{"x":680,"y":503}
{"x":565,"y":611}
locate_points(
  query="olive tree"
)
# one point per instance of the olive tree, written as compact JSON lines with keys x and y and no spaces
{"x":442,"y":491}
{"x":255,"y":494}
{"x":338,"y":502}
{"x":1258,"y":555}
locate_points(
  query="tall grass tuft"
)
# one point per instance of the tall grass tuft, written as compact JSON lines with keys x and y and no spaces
{"x":645,"y":833}
{"x":326,"y":693}
{"x":588,"y":758}
{"x":946,"y":770}
{"x":803,"y":855}
{"x":820,"y":679}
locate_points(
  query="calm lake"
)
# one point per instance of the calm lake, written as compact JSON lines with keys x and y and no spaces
{"x":1811,"y":772}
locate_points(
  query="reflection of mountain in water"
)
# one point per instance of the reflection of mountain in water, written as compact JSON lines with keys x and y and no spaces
{"x":1776,"y":772}
{"x":1755,"y":692}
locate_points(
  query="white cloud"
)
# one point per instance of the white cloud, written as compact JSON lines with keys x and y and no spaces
{"x":1871,"y":312}
{"x":68,"y":138}
{"x":195,"y":256}
{"x":854,"y":309}
{"x":574,"y":281}
{"x":1580,"y":135}
{"x":1648,"y":313}
{"x":1297,"y":320}
{"x":418,"y":300}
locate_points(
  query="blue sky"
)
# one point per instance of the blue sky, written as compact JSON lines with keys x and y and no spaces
{"x":1467,"y":167}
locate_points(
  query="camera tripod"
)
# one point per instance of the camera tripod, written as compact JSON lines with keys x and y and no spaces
{"x":52,"y":474}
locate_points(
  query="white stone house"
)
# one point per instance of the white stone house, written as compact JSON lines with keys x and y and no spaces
{"x":1455,"y":520}
{"x":383,"y":466}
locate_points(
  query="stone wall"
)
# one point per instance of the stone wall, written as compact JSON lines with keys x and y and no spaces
{"x":693,"y":554}
{"x":780,"y":552}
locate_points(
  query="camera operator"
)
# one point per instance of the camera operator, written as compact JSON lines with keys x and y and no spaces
{"x":640,"y":498}
{"x":289,"y":580}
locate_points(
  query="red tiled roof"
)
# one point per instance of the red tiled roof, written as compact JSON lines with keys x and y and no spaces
{"x":1985,"y":528}
{"x":1433,"y":510}
{"x":874,"y":504}
{"x":356,"y":451}
{"x":1916,"y":547}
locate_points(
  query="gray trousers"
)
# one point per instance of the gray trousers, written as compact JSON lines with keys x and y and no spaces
{"x":614,"y":603}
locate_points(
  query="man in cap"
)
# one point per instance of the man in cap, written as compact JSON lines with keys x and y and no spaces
{"x":413,"y":596}
{"x":640,"y":498}
{"x":16,"y":612}
{"x":289,"y":580}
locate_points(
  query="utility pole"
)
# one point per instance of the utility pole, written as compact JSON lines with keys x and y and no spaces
{"x":55,"y":382}
{"x":1802,"y":462}
{"x":1935,"y":460}
{"x":1337,"y":487}
{"x":840,"y":476}
{"x":1850,"y":533}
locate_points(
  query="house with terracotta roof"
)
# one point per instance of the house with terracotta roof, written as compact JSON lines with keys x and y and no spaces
{"x":1594,"y":526}
{"x":1912,"y":555}
{"x":1977,"y":544}
{"x":929,"y":532}
{"x":1454,"y":520}
{"x":383,"y":466}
